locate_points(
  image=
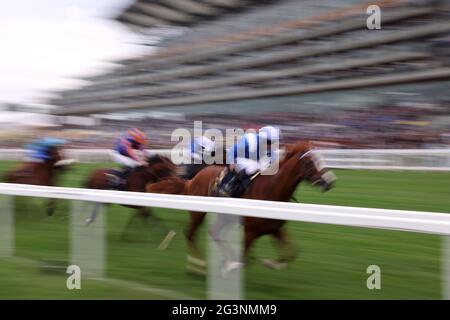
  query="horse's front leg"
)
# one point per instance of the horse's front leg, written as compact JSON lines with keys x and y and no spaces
{"x":147,"y":213}
{"x":288,"y":251}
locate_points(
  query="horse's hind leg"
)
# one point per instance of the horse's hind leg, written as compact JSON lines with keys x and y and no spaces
{"x":50,"y":207}
{"x":195,"y":261}
{"x":138,"y":213}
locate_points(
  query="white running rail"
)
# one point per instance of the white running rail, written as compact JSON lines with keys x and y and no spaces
{"x":425,"y":222}
{"x":411,"y":221}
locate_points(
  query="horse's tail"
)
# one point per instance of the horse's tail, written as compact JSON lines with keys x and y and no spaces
{"x":7,"y":177}
{"x":169,"y":185}
{"x":10,"y":177}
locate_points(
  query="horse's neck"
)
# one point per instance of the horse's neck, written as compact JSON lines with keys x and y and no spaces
{"x":47,"y":167}
{"x":44,"y":170}
{"x":38,"y":166}
{"x":286,"y":180}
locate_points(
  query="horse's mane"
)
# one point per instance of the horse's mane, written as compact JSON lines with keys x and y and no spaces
{"x":161,"y":165}
{"x":295,"y":148}
{"x":156,"y":158}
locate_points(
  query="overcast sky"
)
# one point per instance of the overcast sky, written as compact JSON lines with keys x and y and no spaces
{"x":46,"y":44}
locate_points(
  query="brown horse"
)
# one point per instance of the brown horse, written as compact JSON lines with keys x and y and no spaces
{"x":159,"y":167}
{"x":298,"y":164}
{"x":39,"y":173}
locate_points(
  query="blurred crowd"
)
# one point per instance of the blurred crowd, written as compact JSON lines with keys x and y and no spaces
{"x":397,"y":125}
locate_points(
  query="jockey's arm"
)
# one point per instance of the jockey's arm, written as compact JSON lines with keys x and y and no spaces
{"x":132,"y":154}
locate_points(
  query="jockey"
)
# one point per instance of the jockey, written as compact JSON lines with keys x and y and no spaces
{"x":246,"y":159}
{"x":128,"y":151}
{"x":200,"y":146}
{"x":37,"y":151}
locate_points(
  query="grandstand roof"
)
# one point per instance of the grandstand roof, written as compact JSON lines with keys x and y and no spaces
{"x":321,"y":50}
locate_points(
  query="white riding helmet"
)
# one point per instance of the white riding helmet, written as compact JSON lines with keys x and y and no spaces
{"x":206,"y":143}
{"x":269,"y":133}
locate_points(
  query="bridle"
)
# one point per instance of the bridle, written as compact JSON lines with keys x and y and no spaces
{"x":316,"y":162}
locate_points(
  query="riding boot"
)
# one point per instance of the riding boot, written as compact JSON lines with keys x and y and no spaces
{"x":118,"y":177}
{"x":243,"y":181}
{"x":225,"y":184}
{"x":123,"y":177}
{"x":234,"y":184}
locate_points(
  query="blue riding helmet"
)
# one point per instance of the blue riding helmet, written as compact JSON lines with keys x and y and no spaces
{"x":52,"y":142}
{"x":39,"y":148}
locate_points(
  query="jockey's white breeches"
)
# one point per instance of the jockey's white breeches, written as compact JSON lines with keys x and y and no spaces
{"x":123,"y":160}
{"x":250,"y":166}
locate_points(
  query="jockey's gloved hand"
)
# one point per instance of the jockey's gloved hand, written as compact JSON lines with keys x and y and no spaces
{"x":265,"y":163}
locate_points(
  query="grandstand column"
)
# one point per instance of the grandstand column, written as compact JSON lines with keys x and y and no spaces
{"x":6,"y":226}
{"x":87,"y":242}
{"x":225,"y":268}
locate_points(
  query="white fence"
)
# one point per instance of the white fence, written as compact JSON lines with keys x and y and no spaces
{"x":412,"y":221}
{"x":388,"y":159}
{"x":377,"y":159}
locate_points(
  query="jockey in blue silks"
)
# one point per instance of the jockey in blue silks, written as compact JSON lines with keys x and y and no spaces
{"x":37,"y":151}
{"x":199,"y":147}
{"x":249,"y":156}
{"x":129,"y":152}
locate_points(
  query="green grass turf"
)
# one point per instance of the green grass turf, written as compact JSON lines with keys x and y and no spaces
{"x":331,"y":265}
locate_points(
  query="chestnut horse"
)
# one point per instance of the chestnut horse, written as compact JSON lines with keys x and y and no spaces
{"x":39,"y":173}
{"x":299,"y":164}
{"x":158,"y":167}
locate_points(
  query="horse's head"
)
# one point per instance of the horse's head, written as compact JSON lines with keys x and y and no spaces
{"x":54,"y":154}
{"x":161,"y":166}
{"x":311,"y":165}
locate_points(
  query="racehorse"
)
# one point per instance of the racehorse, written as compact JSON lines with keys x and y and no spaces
{"x":300,"y":163}
{"x":40,"y":173}
{"x":158,"y":167}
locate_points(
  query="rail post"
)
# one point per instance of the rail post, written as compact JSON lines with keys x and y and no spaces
{"x":7,"y":226}
{"x":87,"y":241}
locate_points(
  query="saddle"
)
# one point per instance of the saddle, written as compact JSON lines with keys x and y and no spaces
{"x":214,"y":188}
{"x":231,"y":184}
{"x":117,"y":179}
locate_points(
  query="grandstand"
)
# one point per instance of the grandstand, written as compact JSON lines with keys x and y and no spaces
{"x":310,"y":67}
{"x":272,"y":50}
{"x":146,"y":14}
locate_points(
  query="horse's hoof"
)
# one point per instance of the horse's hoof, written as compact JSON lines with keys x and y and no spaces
{"x":89,"y":221}
{"x":167,"y":240}
{"x":193,"y":261}
{"x":230,"y":267}
{"x":196,"y":271}
{"x":195,"y":266}
{"x":272,"y":264}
